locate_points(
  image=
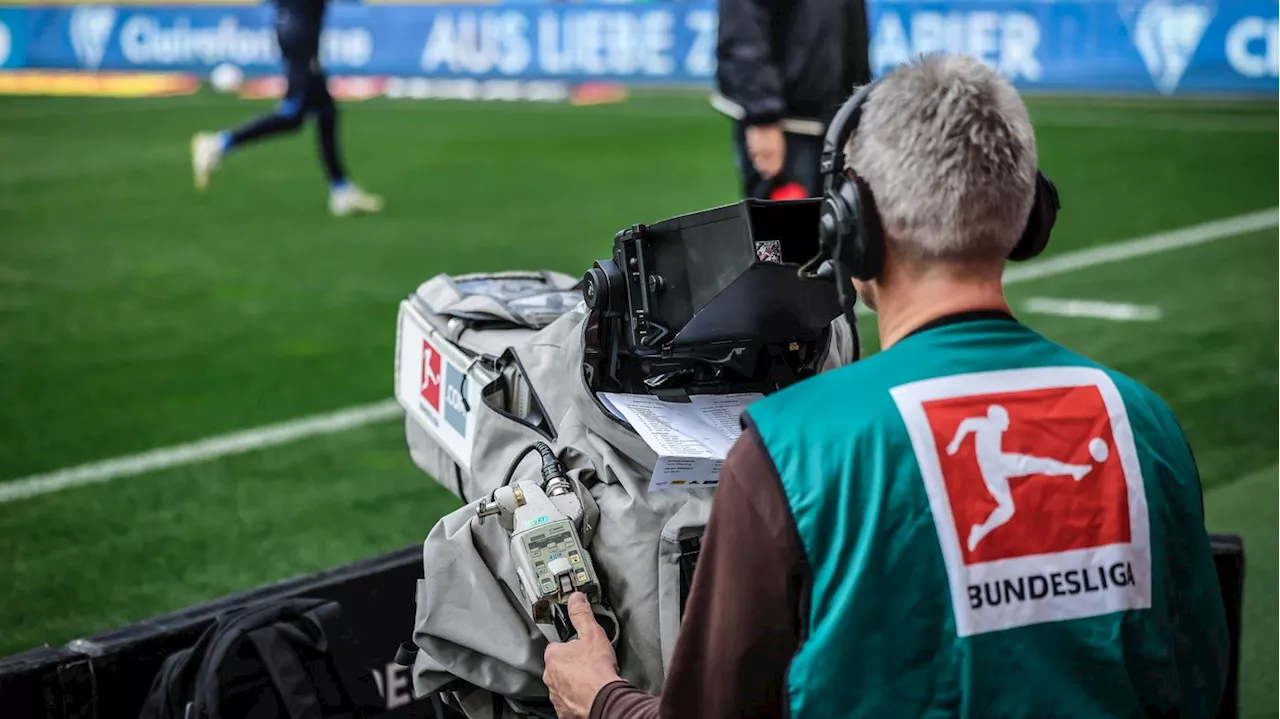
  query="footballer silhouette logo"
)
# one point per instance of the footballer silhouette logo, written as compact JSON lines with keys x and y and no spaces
{"x":1036,"y":493}
{"x":1029,"y":472}
{"x":999,"y":467}
{"x":430,"y":382}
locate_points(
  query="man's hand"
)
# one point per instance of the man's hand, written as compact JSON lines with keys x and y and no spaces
{"x":578,"y":669}
{"x":767,"y":149}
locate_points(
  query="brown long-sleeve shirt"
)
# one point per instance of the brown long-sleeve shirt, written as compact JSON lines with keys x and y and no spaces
{"x":744,"y":618}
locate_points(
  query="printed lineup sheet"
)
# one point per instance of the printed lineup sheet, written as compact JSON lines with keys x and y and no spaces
{"x":691,"y":439}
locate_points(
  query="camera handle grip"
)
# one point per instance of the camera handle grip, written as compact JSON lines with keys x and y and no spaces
{"x":604,"y":616}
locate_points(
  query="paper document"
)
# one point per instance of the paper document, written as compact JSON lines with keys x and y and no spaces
{"x":691,"y":439}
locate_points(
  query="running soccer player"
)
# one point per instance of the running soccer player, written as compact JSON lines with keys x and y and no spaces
{"x":298,"y":26}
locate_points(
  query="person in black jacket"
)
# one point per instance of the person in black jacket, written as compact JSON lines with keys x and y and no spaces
{"x":775,"y":78}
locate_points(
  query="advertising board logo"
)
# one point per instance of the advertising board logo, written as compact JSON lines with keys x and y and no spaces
{"x":1010,"y":41}
{"x":429,"y":385}
{"x":90,"y":32}
{"x":455,"y":405}
{"x":1036,"y":493}
{"x":1253,"y":47}
{"x":6,"y":43}
{"x":1167,"y":34}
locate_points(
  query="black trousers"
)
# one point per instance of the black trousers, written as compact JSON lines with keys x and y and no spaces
{"x":298,"y":34}
{"x":801,"y":164}
{"x":299,"y":38}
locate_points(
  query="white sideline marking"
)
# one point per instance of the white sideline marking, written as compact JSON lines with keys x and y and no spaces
{"x":352,"y":417}
{"x":199,"y":451}
{"x":1117,"y":311}
{"x":1183,"y":122}
{"x":1149,"y":245}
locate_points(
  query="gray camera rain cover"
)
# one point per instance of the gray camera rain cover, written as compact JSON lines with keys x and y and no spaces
{"x":470,"y":623}
{"x":531,"y":300}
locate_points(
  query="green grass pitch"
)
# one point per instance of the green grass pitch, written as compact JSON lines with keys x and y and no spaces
{"x":136,"y":313}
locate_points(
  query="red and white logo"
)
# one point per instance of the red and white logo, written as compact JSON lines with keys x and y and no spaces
{"x":430,"y":380}
{"x":1036,"y":493}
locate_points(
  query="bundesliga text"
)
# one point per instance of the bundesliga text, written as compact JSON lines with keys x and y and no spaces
{"x":1057,"y":584}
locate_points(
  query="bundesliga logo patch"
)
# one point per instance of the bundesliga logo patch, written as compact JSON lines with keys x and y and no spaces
{"x":1036,"y":492}
{"x":429,"y":385}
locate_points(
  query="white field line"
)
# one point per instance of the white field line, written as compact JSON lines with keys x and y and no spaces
{"x":1142,"y":246}
{"x":352,"y":417}
{"x":199,"y":451}
{"x":1094,"y":309}
{"x":1212,"y":123}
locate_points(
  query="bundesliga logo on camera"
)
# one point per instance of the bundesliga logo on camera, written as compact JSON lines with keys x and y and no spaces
{"x":1036,"y":493}
{"x":429,"y":386}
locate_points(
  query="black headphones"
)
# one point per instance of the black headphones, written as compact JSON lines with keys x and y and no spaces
{"x":850,"y":229}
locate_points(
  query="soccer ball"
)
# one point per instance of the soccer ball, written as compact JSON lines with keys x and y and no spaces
{"x":226,"y":78}
{"x":1098,"y":450}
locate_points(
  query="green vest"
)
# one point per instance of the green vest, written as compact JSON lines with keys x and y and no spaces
{"x":996,"y":527}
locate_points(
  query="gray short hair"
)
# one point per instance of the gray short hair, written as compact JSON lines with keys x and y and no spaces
{"x":946,"y":146}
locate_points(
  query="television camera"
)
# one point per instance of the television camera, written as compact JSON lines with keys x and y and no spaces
{"x":713,"y":302}
{"x":710,"y":302}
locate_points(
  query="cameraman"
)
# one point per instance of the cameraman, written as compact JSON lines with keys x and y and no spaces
{"x":974,"y":521}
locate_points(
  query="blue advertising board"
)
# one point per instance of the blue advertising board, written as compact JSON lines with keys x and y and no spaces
{"x":632,"y":43}
{"x":13,"y":38}
{"x":1131,"y":46}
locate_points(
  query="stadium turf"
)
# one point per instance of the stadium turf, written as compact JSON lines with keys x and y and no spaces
{"x":136,"y":313}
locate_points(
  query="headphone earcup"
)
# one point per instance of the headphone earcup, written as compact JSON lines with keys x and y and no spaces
{"x":849,"y":229}
{"x":1044,"y":213}
{"x":831,"y":224}
{"x":868,"y":235}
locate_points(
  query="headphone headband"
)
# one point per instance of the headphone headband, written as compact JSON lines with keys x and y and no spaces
{"x":838,"y":133}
